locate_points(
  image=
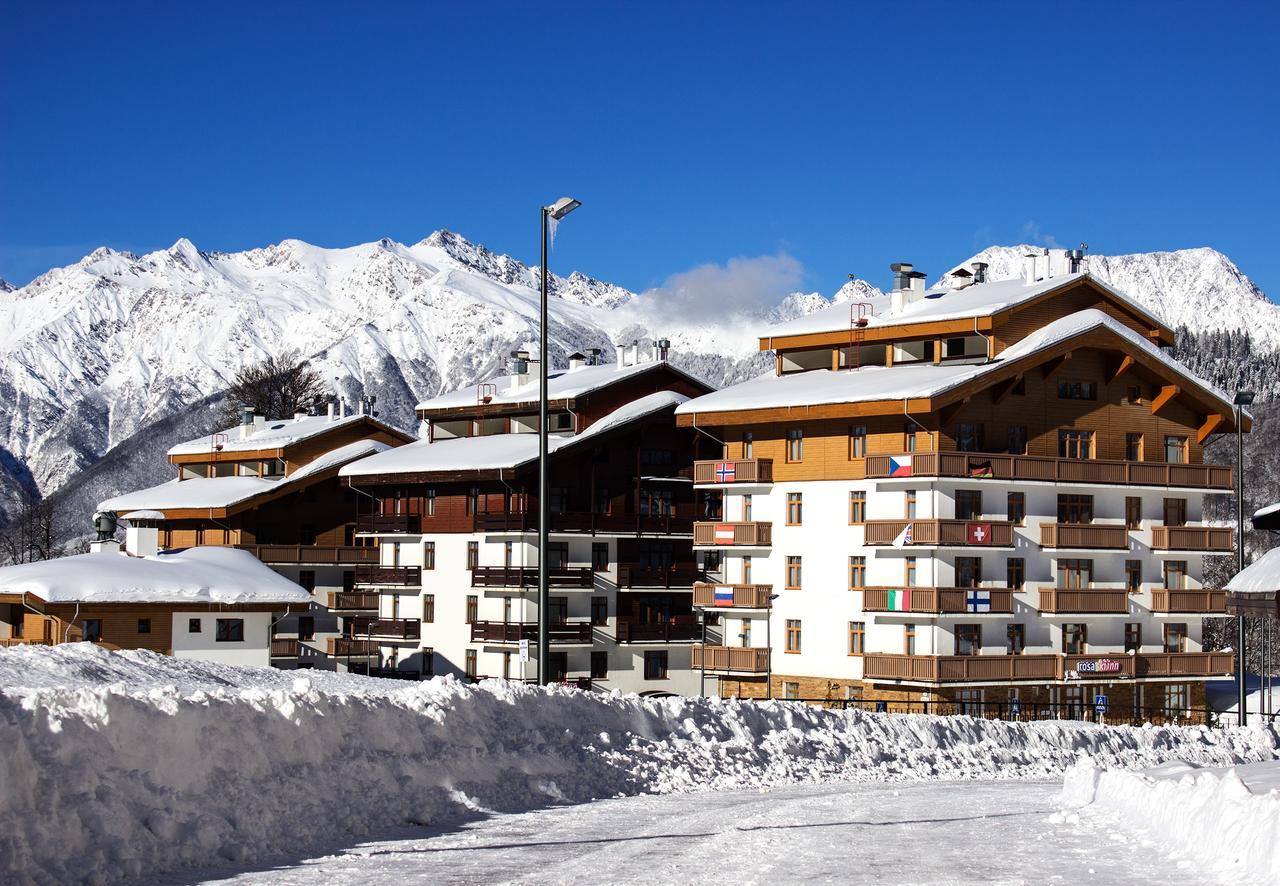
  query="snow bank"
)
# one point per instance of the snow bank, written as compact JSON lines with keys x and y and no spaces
{"x":1233,"y":833}
{"x":124,"y":764}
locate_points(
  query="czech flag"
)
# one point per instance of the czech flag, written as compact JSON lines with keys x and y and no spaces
{"x":900,"y":466}
{"x":723,"y":596}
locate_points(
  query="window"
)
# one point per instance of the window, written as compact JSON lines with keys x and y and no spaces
{"x":857,"y":506}
{"x":603,"y":501}
{"x":599,"y":610}
{"x":954,"y":347}
{"x":1176,"y":699}
{"x":1175,"y":574}
{"x":306,"y":627}
{"x":1074,"y":638}
{"x":473,"y":554}
{"x":506,"y":665}
{"x":558,"y":665}
{"x":508,"y":554}
{"x":470,"y":667}
{"x":857,"y":637}
{"x":793,"y":572}
{"x":506,"y":610}
{"x":473,"y":609}
{"x":1134,"y":394}
{"x":1132,"y":512}
{"x":1175,"y":637}
{"x":858,"y":441}
{"x":429,"y":555}
{"x":968,"y":504}
{"x":909,"y":639}
{"x":599,"y":664}
{"x":909,"y":504}
{"x":558,"y":610}
{"x":747,"y":444}
{"x":746,"y":508}
{"x":744,"y":635}
{"x":600,"y":556}
{"x":1015,"y":573}
{"x":746,"y":569}
{"x":1016,"y":508}
{"x":1075,"y":508}
{"x":908,"y":437}
{"x":307,"y":578}
{"x":1074,"y":575}
{"x":1015,"y":638}
{"x":790,"y":690}
{"x":429,"y":608}
{"x":655,"y":664}
{"x":430,"y":508}
{"x":795,"y":508}
{"x":1175,"y":450}
{"x":968,"y":639}
{"x":558,"y":554}
{"x":144,"y":626}
{"x":229,"y":630}
{"x":857,"y":573}
{"x":795,"y":445}
{"x":1133,"y":447}
{"x":428,"y":662}
{"x":348,"y":581}
{"x":1077,"y":390}
{"x":1175,"y":512}
{"x":909,"y":567}
{"x":969,"y":437}
{"x":968,"y":572}
{"x":1133,"y":576}
{"x":1017,"y":442}
{"x":1132,"y":636}
{"x":793,"y":635}
{"x":473,"y":501}
{"x":1075,"y":444}
{"x":194,"y":626}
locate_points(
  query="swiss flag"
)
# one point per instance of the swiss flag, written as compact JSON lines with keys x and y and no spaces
{"x":978,"y":533}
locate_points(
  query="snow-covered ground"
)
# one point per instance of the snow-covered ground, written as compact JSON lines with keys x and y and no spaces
{"x":128,"y":764}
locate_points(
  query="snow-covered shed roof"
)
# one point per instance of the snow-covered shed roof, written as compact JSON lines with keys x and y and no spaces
{"x":562,"y":384}
{"x":272,"y":435}
{"x":498,"y":451}
{"x":1267,"y":518}
{"x":195,"y":575}
{"x":1262,"y":576}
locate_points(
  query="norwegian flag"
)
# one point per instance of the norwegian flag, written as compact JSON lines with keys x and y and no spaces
{"x":726,"y":472}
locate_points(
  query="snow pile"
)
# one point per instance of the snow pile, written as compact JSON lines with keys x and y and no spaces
{"x":1233,"y":832}
{"x":120,"y":764}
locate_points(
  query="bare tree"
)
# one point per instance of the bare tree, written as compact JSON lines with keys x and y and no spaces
{"x":276,"y":387}
{"x":30,"y":533}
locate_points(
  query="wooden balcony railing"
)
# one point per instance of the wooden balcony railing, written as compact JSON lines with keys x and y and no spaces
{"x":1185,"y":664}
{"x":682,"y":630}
{"x":1200,"y":601}
{"x":1090,"y":536}
{"x":732,"y":596}
{"x":730,"y":534}
{"x":1013,"y":668}
{"x":586,"y":522}
{"x":312,"y":554}
{"x":345,"y":646}
{"x":406,"y":576}
{"x":513,"y":632}
{"x":937,"y":601}
{"x":951,"y":533}
{"x":742,"y":659}
{"x":742,"y":470}
{"x":285,"y":647}
{"x":391,"y":524}
{"x":1084,"y":601}
{"x":981,"y":465}
{"x":374,"y":626}
{"x":1193,"y":538}
{"x":527,"y":577}
{"x":659,"y":576}
{"x":353,"y":600}
{"x":23,"y":641}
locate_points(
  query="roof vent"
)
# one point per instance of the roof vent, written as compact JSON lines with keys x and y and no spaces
{"x":961,"y":278}
{"x":979,"y":271}
{"x":1075,"y":259}
{"x":593,"y":356}
{"x":908,"y":285}
{"x":577,"y":360}
{"x":662,"y":348}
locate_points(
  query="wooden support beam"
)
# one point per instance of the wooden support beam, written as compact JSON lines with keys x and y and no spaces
{"x":1124,"y":366}
{"x":835,"y":359}
{"x":1001,"y":390}
{"x":946,"y":413}
{"x":937,"y":351}
{"x":1167,"y":393}
{"x":1211,"y":423}
{"x":1053,"y":367}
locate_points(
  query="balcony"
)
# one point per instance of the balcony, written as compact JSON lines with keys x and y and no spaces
{"x":1084,"y":536}
{"x":352,"y":601}
{"x":742,"y":471}
{"x":1185,"y":664}
{"x":1193,"y":538}
{"x":733,"y":659}
{"x":586,"y":522}
{"x":941,"y":533}
{"x":983,"y":465}
{"x":720,"y":596}
{"x":564,"y":633}
{"x":351,"y":646}
{"x":751,"y":535}
{"x":1199,"y":602}
{"x":1044,"y":667}
{"x":682,"y":577}
{"x":289,"y":647}
{"x":401,"y":576}
{"x":1084,"y":601}
{"x":394,"y":628}
{"x":938,"y":601}
{"x":389,"y":524}
{"x":312,"y":555}
{"x":681,"y":631}
{"x":527,"y":577}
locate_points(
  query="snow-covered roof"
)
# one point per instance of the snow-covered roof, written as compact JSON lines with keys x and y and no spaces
{"x":275,"y":434}
{"x":561,"y":384}
{"x":194,"y":575}
{"x":223,"y":492}
{"x":498,"y":451}
{"x":143,"y":515}
{"x":1259,"y":577}
{"x":1267,"y":511}
{"x":912,"y":380}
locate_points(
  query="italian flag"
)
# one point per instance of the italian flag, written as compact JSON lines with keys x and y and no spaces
{"x":900,"y":600}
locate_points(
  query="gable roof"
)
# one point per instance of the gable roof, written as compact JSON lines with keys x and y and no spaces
{"x":278,"y":434}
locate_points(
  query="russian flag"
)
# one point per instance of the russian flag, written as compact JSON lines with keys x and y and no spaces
{"x":723,"y":596}
{"x":899,"y":466}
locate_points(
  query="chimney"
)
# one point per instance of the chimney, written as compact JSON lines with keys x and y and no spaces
{"x":259,"y":421}
{"x":519,"y":369}
{"x":299,"y":416}
{"x":577,"y":360}
{"x":664,"y":348}
{"x":342,"y":407}
{"x":593,"y":356}
{"x":979,"y":271}
{"x":142,"y":535}
{"x":246,"y":421}
{"x":1029,"y":262}
{"x":908,"y":285}
{"x":330,"y":410}
{"x":961,"y":278}
{"x":1075,"y":260}
{"x":635,"y":353}
{"x":621,"y":356}
{"x":104,"y":546}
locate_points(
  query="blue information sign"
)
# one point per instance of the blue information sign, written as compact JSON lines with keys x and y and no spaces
{"x":1100,"y":704}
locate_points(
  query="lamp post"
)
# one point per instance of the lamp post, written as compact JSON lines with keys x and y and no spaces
{"x":1242,"y":399}
{"x":555,"y":212}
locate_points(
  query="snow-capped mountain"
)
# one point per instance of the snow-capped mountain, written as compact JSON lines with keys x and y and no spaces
{"x":120,"y":355}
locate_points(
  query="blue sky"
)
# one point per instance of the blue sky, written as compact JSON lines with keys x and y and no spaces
{"x":844,"y":136}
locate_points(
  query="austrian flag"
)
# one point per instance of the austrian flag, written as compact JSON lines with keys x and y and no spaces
{"x":899,"y":466}
{"x":724,"y":533}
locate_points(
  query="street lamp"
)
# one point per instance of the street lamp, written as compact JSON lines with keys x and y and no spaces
{"x":1242,"y":399}
{"x":555,"y":212}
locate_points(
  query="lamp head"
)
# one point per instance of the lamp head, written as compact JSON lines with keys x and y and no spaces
{"x":1243,"y":398}
{"x":562,"y":207}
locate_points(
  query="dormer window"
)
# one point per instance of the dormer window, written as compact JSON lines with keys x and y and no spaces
{"x":1077,"y":390}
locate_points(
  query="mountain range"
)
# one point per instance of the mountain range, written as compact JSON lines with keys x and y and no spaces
{"x":107,"y":362}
